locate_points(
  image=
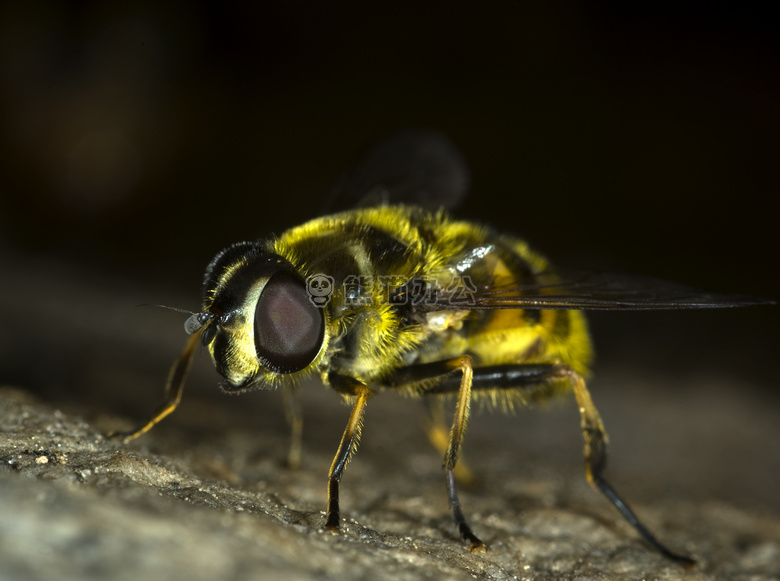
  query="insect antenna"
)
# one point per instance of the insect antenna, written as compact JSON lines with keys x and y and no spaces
{"x":193,"y":323}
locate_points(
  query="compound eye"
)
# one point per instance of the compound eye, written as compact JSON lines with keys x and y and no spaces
{"x":289,"y":328}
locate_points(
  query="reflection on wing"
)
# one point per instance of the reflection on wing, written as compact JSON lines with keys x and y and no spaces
{"x":593,"y":291}
{"x":418,"y":167}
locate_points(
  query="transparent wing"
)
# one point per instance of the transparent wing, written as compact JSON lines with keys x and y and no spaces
{"x":417,"y":167}
{"x":585,"y":290}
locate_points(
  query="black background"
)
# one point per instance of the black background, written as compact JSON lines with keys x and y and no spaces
{"x":137,"y":139}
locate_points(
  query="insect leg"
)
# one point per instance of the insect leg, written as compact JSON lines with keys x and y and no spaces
{"x":438,"y":433}
{"x":596,"y":461}
{"x":173,"y":390}
{"x":292,"y":411}
{"x":511,"y":376}
{"x":416,"y":374}
{"x":348,"y":444}
{"x":456,"y":438}
{"x":537,"y":376}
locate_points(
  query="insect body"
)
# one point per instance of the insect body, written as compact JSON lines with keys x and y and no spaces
{"x":398,"y":297}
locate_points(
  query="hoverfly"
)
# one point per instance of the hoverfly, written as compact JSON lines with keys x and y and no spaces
{"x":397,"y":295}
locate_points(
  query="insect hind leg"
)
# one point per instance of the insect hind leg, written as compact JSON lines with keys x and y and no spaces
{"x":596,"y":461}
{"x":539,"y":375}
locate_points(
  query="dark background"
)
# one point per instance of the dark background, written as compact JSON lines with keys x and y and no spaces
{"x":137,"y":139}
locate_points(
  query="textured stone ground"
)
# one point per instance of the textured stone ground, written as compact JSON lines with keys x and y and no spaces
{"x":207,"y":496}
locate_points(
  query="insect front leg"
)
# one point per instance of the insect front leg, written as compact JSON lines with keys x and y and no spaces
{"x":173,"y":390}
{"x":294,"y":416}
{"x":349,"y":442}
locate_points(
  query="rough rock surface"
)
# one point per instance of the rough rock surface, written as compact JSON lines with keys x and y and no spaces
{"x":206,"y":495}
